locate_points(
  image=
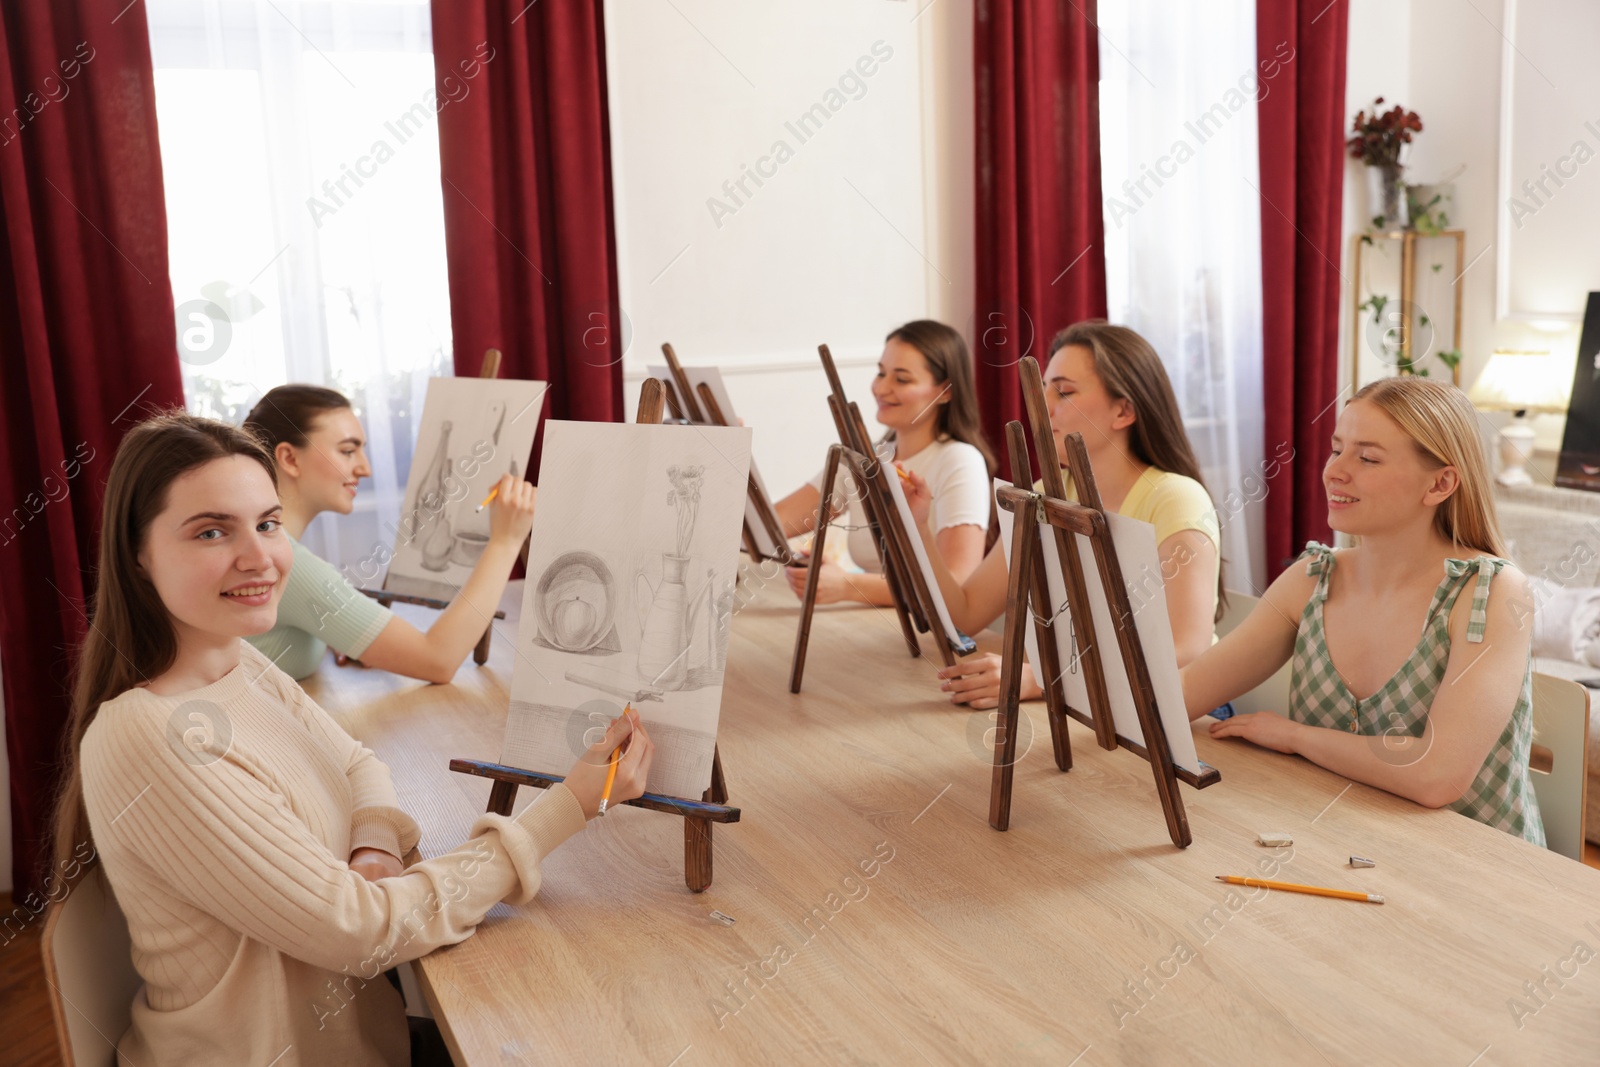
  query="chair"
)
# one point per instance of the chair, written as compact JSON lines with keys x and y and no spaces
{"x":1270,"y":695}
{"x":1561,"y":739}
{"x":88,"y":963}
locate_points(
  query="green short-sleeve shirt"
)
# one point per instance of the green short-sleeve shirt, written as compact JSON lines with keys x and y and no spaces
{"x":320,"y":610}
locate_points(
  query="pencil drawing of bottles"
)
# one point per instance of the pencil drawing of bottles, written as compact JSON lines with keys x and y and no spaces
{"x":664,"y":624}
{"x":431,"y":500}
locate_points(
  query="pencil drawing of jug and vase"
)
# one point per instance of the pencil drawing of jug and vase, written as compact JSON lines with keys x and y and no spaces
{"x":683,"y":624}
{"x":671,"y":627}
{"x":441,"y":540}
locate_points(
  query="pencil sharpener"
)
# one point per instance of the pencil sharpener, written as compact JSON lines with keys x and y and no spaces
{"x":1362,"y":861}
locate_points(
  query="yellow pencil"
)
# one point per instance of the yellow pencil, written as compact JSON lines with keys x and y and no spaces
{"x":492,"y":494}
{"x":1262,"y":883}
{"x":904,"y":477}
{"x":611,"y":773}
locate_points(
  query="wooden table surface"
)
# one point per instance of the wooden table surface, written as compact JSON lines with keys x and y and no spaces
{"x":1080,"y":936}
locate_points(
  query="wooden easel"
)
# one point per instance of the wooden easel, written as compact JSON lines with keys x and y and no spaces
{"x":908,"y":589}
{"x":698,"y":815}
{"x":1028,"y":580}
{"x":480,"y":651}
{"x":700,"y":407}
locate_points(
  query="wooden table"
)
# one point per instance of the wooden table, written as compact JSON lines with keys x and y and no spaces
{"x":1080,"y":936}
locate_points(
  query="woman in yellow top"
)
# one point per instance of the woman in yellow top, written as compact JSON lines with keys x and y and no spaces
{"x":1107,"y":383}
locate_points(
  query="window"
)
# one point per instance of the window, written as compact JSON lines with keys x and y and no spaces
{"x":300,"y":151}
{"x":1179,"y":85}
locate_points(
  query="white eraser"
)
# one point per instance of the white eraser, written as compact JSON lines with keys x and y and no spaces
{"x":1276,"y":840}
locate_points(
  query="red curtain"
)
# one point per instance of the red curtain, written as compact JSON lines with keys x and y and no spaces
{"x":1040,"y":241}
{"x":87,"y":345}
{"x":1302,"y":181}
{"x":525,"y":155}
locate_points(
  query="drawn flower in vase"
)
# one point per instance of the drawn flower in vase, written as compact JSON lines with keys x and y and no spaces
{"x":666,"y":610}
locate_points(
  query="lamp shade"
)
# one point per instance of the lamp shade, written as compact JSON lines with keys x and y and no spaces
{"x":1522,"y":381}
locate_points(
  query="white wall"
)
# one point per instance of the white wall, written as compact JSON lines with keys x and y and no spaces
{"x":868,"y":224}
{"x":1442,"y":59}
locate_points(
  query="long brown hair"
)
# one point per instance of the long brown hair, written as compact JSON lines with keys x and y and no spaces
{"x":1443,"y":425}
{"x":285,"y":413}
{"x":945,"y":351}
{"x":131,"y":638}
{"x":1131,"y":371}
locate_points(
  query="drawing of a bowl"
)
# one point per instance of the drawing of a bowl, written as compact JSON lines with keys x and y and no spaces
{"x":575,"y":602}
{"x":467,"y":548}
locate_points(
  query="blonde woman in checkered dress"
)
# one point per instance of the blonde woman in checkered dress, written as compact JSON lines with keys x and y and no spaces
{"x":1411,"y":650}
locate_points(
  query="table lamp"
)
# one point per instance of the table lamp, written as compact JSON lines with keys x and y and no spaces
{"x":1520,"y":382}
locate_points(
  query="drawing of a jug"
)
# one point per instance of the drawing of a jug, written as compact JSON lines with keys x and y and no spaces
{"x":435,"y":496}
{"x":665,"y":617}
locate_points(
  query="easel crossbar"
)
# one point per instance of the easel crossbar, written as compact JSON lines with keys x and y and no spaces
{"x":651,"y":801}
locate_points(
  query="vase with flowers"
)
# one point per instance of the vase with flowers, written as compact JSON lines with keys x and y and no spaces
{"x":1377,"y":139}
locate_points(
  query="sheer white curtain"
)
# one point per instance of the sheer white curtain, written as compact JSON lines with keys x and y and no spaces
{"x":303,"y":203}
{"x":1179,"y":85}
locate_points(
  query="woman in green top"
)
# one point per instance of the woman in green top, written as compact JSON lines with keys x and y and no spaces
{"x":318,"y":446}
{"x":1443,"y":719}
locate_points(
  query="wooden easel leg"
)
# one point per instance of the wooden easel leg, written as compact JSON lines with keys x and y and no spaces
{"x":480,"y":651}
{"x":501,"y":796}
{"x":697,"y":854}
{"x":808,"y":602}
{"x":1023,"y":536}
{"x":697,"y":832}
{"x":1050,"y":668}
{"x":1039,"y":592}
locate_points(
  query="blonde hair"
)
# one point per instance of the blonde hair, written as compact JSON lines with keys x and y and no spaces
{"x":1443,"y":425}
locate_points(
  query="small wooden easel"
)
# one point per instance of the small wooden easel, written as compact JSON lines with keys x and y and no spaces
{"x":1028,"y":580}
{"x":698,"y":815}
{"x":480,"y":651}
{"x":901,"y":571}
{"x":700,"y":407}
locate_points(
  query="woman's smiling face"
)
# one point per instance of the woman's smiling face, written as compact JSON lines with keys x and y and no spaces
{"x":216,"y":553}
{"x":1375,"y":477}
{"x":334,"y":459}
{"x":905,"y":389}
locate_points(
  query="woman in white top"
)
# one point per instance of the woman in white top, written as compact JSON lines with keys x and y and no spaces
{"x":925,"y":396}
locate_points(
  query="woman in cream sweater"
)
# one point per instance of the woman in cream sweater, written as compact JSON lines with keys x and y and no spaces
{"x":254,"y":845}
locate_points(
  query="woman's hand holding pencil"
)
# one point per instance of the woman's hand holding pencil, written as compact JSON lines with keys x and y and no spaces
{"x":918,"y":496}
{"x":511,"y":510}
{"x":625,"y":775}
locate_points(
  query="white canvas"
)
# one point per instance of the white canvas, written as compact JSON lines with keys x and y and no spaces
{"x":473,"y":432}
{"x":1139,"y":558}
{"x":712,"y":377}
{"x":631,"y":573}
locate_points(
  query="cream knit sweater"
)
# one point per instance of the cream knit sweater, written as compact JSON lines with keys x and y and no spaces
{"x":225,"y":817}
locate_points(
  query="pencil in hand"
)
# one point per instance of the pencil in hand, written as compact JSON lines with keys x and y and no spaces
{"x":486,"y":500}
{"x":611,"y":772}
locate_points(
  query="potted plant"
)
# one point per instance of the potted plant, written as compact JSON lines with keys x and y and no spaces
{"x":1376,"y":140}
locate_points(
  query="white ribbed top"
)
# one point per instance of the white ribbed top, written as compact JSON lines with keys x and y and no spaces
{"x":225,"y":817}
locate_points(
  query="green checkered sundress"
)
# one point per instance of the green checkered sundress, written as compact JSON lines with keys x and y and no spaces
{"x":1502,"y":793}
